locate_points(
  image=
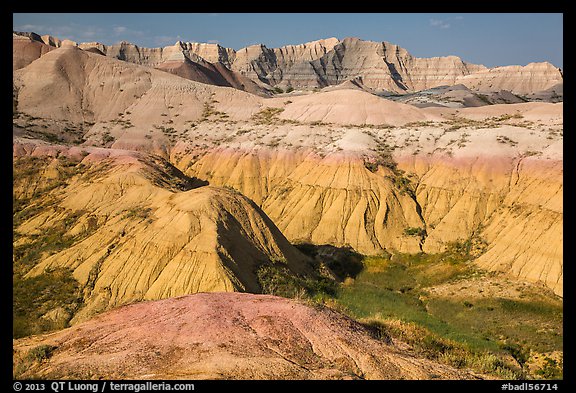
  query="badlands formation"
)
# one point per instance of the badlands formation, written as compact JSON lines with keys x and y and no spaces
{"x":176,"y":170}
{"x":205,"y":336}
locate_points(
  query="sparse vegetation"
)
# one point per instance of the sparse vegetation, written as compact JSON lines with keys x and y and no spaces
{"x":275,"y":278}
{"x":416,"y":124}
{"x":484,"y":98}
{"x":506,"y":140}
{"x":209,"y":112}
{"x":138,"y":213}
{"x":488,"y":335}
{"x":402,"y":182}
{"x":36,"y":296}
{"x":370,"y":126}
{"x":342,"y":262}
{"x":41,"y":353}
{"x":382,"y":158}
{"x":552,"y":369}
{"x":418,"y":232}
{"x":50,"y":241}
{"x":267,"y":116}
{"x":107,"y":138}
{"x":461,"y":122}
{"x":371,"y":166}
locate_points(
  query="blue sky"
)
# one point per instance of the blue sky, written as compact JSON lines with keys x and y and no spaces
{"x":490,"y":39}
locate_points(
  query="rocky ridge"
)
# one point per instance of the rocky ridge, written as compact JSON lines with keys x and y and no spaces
{"x":224,"y":336}
{"x":380,"y":66}
{"x":140,"y":230}
{"x":343,"y":167}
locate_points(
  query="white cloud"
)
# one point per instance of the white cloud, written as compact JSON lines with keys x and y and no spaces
{"x":213,"y":41}
{"x":89,"y":34}
{"x":164,"y":40}
{"x":29,"y":28}
{"x":439,"y":23}
{"x":62,"y":32}
{"x":126,"y":31}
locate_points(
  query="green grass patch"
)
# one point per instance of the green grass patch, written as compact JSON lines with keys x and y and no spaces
{"x":51,"y":241}
{"x":487,"y":334}
{"x":35,"y":296}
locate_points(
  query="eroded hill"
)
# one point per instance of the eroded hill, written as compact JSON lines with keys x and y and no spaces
{"x":131,"y":227}
{"x":377,"y":66}
{"x":222,"y":336}
{"x":341,"y":167}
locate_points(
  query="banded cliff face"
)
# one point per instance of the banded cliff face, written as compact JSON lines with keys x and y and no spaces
{"x":496,"y":183}
{"x":331,"y":200}
{"x":27,"y":47}
{"x":327,"y":167}
{"x":205,"y":63}
{"x":25,"y":50}
{"x":384,"y":66}
{"x":152,"y":57}
{"x":287,"y":65}
{"x":508,"y":205}
{"x":140,"y":230}
{"x":525,"y":80}
{"x":510,"y":208}
{"x":379,"y":66}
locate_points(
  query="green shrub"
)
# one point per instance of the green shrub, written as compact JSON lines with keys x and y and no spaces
{"x":419,"y":232}
{"x":267,"y":115}
{"x":40,"y":353}
{"x":277,"y":279}
{"x":377,"y":329}
{"x":517,"y":352}
{"x":371,"y":166}
{"x":139,"y":213}
{"x":550,"y":370}
{"x":35,"y":296}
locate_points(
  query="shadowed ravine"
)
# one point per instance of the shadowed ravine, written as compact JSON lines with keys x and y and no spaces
{"x":338,"y":209}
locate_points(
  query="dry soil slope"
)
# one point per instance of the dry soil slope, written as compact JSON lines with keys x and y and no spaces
{"x":498,"y":180}
{"x":139,"y":239}
{"x":457,"y":96}
{"x":213,"y":74}
{"x":25,"y":50}
{"x":95,"y":91}
{"x":506,"y":191}
{"x":223,"y":336}
{"x":205,"y":63}
{"x":312,"y":181}
{"x":524,"y":80}
{"x":330,"y":200}
{"x":349,"y":106}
